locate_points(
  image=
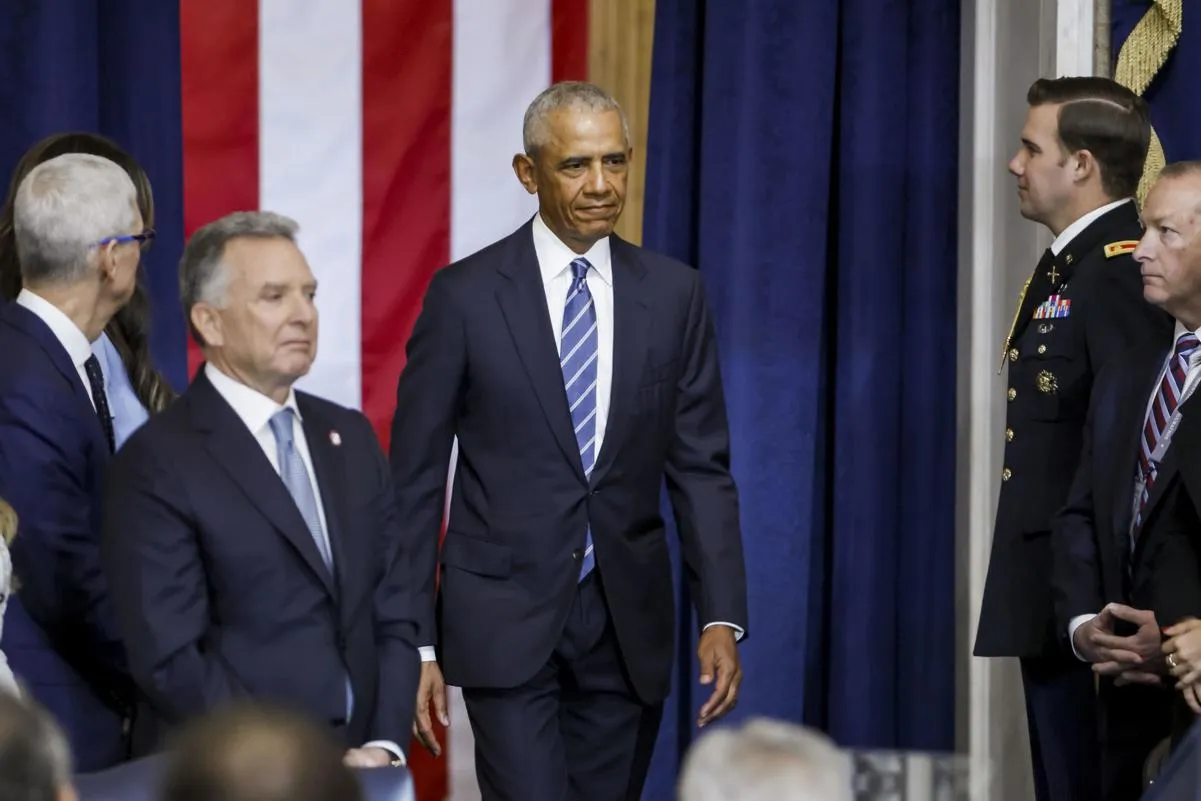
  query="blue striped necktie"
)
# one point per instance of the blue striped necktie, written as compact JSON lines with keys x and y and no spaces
{"x":577,"y":356}
{"x":1167,"y":398}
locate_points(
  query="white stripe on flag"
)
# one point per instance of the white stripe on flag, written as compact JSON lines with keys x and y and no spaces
{"x":501,"y":61}
{"x":310,"y":162}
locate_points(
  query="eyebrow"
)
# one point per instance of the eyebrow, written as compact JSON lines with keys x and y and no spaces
{"x":576,"y":159}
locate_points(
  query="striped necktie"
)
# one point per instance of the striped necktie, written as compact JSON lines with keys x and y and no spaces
{"x":1171,"y":388}
{"x":578,"y":352}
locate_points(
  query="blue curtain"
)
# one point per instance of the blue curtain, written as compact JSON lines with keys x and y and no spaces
{"x":804,"y":157}
{"x":108,"y":67}
{"x":1172,"y":93}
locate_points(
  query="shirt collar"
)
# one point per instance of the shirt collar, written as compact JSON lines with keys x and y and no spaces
{"x":253,"y":407}
{"x":554,"y":257}
{"x":64,"y":330}
{"x":1072,"y":231}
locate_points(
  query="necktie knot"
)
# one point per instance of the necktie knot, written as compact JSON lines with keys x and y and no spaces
{"x":579,"y":268}
{"x":281,"y":427}
{"x":1186,"y":344}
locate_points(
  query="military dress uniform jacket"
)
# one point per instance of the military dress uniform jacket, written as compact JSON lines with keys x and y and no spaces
{"x":1079,"y":309}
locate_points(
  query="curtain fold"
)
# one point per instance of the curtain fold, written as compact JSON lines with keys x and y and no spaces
{"x":804,"y":158}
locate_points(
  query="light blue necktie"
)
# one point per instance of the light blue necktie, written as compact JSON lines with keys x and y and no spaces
{"x":577,"y":355}
{"x":296,"y":479}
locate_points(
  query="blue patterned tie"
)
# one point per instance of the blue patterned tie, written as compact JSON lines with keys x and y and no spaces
{"x":577,"y":356}
{"x":296,"y":479}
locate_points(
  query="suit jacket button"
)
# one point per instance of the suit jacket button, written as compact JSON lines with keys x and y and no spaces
{"x":577,"y":555}
{"x":1006,"y":474}
{"x":1042,"y":348}
{"x":1013,"y":354}
{"x":1009,"y":435}
{"x":1013,"y":393}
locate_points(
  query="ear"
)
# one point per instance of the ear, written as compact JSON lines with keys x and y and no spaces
{"x":205,"y":320}
{"x":523,"y":168}
{"x":107,"y":262}
{"x":1084,"y":166}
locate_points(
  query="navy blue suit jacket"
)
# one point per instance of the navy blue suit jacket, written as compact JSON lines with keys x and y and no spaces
{"x":1093,"y":561}
{"x":483,"y":365}
{"x":60,"y":632}
{"x":220,"y":589}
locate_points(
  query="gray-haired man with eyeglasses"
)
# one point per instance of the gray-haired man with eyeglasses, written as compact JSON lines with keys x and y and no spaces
{"x":78,"y":232}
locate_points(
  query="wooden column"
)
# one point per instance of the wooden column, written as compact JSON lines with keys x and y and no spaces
{"x":620,"y":36}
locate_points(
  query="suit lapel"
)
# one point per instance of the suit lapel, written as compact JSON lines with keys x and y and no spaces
{"x":325,"y":449}
{"x":523,"y":302}
{"x":631,"y":320}
{"x":24,"y":320}
{"x":1129,"y":432}
{"x":236,"y":450}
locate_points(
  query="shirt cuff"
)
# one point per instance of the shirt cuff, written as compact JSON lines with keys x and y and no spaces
{"x":390,"y":747}
{"x":1074,"y":624}
{"x":427,"y":653}
{"x":739,"y":633}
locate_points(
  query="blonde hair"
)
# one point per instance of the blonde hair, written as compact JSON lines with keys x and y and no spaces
{"x":8,"y":522}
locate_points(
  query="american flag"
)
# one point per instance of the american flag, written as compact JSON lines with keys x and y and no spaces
{"x":386,"y":129}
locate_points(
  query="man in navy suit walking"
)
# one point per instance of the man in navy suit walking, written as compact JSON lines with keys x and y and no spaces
{"x":250,"y":530}
{"x":78,"y":233}
{"x":577,"y":372}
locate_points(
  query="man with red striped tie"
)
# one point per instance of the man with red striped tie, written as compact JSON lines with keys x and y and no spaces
{"x":1126,"y":547}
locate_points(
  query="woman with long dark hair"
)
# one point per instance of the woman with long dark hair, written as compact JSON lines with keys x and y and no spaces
{"x":134,"y":388}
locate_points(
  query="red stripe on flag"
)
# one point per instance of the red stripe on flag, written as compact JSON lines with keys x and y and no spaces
{"x":219,"y":57}
{"x":569,"y":40}
{"x":407,"y":63}
{"x":407,"y":68}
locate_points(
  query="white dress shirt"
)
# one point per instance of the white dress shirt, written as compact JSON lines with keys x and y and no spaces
{"x":256,"y":410}
{"x":65,"y":331}
{"x":1190,"y":383}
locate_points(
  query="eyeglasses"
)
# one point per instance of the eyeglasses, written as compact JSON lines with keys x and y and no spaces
{"x":143,"y":239}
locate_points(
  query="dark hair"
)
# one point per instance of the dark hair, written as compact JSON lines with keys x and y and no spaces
{"x":252,"y":752}
{"x":35,"y":759}
{"x":1104,"y":118}
{"x":129,"y":329}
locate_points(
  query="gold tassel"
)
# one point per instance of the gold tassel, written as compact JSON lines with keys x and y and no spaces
{"x":1143,"y":54}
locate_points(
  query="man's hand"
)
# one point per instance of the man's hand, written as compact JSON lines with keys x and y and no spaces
{"x":718,"y":654}
{"x":430,"y":690}
{"x":1135,"y":659}
{"x":367,"y":758}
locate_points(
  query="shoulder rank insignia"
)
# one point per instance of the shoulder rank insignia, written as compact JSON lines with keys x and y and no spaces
{"x":1118,"y":248}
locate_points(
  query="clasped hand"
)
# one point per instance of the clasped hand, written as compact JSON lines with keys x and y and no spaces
{"x":1135,"y":659}
{"x":1183,"y":652}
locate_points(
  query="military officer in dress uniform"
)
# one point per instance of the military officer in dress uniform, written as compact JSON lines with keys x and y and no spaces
{"x":1081,"y":157}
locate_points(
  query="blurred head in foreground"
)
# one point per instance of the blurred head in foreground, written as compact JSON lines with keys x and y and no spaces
{"x":765,"y":760}
{"x":35,"y":760}
{"x":250,"y":752}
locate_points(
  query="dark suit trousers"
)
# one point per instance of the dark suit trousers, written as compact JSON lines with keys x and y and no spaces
{"x":1061,"y":704}
{"x":1134,"y":719}
{"x":576,"y":730}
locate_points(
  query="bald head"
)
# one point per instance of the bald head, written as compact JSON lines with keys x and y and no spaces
{"x":255,"y":753}
{"x":1170,"y":251}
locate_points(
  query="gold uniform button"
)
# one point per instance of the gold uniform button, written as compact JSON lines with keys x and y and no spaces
{"x":1042,"y":348}
{"x":1006,"y":474}
{"x":1009,"y":435}
{"x":1013,"y":354}
{"x":1013,"y":393}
